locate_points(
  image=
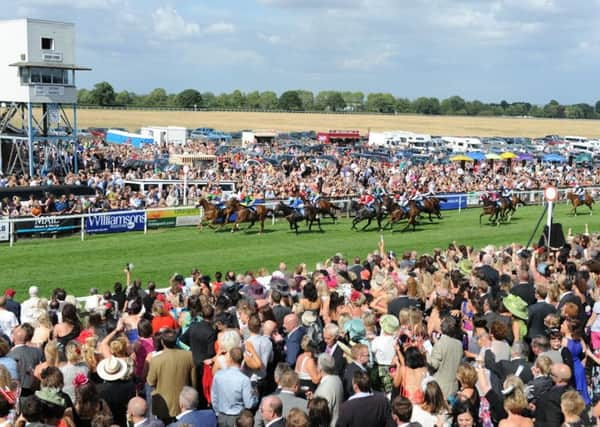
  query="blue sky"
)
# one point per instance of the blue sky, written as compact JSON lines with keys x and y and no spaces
{"x":531,"y":50}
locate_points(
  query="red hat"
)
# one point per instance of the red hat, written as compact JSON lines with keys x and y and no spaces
{"x":10,"y":292}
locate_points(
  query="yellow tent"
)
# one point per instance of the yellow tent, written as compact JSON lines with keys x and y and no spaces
{"x":508,"y":155}
{"x":461,"y":158}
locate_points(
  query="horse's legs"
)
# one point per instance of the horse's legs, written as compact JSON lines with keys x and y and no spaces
{"x":368,"y":223}
{"x":319,"y":223}
{"x":430,"y":220}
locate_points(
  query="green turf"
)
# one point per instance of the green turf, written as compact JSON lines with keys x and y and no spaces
{"x":99,"y":260}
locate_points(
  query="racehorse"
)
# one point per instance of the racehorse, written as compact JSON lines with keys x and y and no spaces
{"x":411,"y":212}
{"x":311,"y":214}
{"x":431,"y":205}
{"x":294,"y":217}
{"x":252,"y":215}
{"x":512,"y":208}
{"x":588,"y":201}
{"x":325,"y":207}
{"x":212,"y":214}
{"x":492,"y":209}
{"x":363,"y":213}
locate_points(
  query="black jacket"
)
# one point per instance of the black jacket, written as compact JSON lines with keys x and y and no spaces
{"x":374,"y":410}
{"x":200,"y":337}
{"x":547,"y":411}
{"x":525,"y":291}
{"x":400,"y":303}
{"x":535,"y":323}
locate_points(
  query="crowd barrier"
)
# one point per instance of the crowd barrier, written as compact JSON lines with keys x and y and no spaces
{"x":141,"y":220}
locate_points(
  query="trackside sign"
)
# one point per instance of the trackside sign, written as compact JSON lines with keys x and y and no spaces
{"x":117,"y":222}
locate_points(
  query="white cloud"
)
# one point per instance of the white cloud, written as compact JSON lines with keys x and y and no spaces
{"x":271,"y":39}
{"x":376,"y":58}
{"x":220,"y":27}
{"x":170,"y":25}
{"x":79,"y":4}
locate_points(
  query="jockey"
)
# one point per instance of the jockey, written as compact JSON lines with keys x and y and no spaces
{"x":313,"y":197}
{"x":367,"y":200}
{"x":579,"y":191}
{"x":506,"y":193}
{"x":417,"y":197}
{"x":297,"y":204}
{"x":248,"y":201}
{"x":379,"y":192}
{"x":430,"y":189}
{"x":402,"y":199}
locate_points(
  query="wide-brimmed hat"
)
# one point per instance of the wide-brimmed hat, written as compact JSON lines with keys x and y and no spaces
{"x":465,"y":266}
{"x":516,"y":306}
{"x":355,"y":328}
{"x":111,"y":369}
{"x":389,"y":324}
{"x":309,"y":317}
{"x":50,"y":395}
{"x":281,"y":286}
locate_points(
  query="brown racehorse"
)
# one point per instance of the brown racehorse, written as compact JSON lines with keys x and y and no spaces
{"x":492,"y":209}
{"x":413,"y":214}
{"x":396,"y":215}
{"x":211,"y":214}
{"x":311,"y":214}
{"x":252,"y":215}
{"x":325,"y":207}
{"x":431,"y":205}
{"x":576,"y":201}
{"x":512,"y":208}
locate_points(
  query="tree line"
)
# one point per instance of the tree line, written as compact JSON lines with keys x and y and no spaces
{"x":103,"y":94}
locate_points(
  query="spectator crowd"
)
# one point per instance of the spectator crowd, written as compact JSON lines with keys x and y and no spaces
{"x":339,"y":172}
{"x":496,"y":336}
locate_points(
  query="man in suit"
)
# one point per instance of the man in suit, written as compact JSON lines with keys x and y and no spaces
{"x":330,"y":388}
{"x":169,"y":372}
{"x":289,"y":384}
{"x":364,"y":407}
{"x":360,"y":356}
{"x":295,"y":332}
{"x":200,"y":337}
{"x":547,"y":410}
{"x":400,"y":302}
{"x":538,"y":312}
{"x":331,"y":333}
{"x":189,"y":415}
{"x":524,"y":289}
{"x":517,"y":365}
{"x":446,"y":357}
{"x":136,"y":414}
{"x":567,"y":295}
{"x":402,"y":410}
{"x":270,"y":409}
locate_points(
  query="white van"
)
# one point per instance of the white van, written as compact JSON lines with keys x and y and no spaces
{"x":462,"y":144}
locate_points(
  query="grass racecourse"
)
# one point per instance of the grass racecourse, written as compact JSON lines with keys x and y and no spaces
{"x":99,"y":260}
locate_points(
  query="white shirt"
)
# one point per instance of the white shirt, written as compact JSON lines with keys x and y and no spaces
{"x":29,"y":310}
{"x":183,"y":414}
{"x":8,"y":321}
{"x":273,"y":421}
{"x":139,"y":423}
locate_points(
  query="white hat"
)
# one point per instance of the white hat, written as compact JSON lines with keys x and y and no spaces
{"x":111,"y":369}
{"x":33,"y":291}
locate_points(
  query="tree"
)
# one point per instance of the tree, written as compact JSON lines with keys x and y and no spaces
{"x":83,"y":97}
{"x":188,"y":98}
{"x":102,"y":94}
{"x":157,"y":98}
{"x":554,"y":110}
{"x":268,"y":100}
{"x":598,"y":107}
{"x":237,"y":99}
{"x":290,"y":101}
{"x":253,"y":99}
{"x":453,"y":105}
{"x":209,"y":100}
{"x":307,"y":98}
{"x":381,"y":103}
{"x":124,"y":98}
{"x":403,"y":105}
{"x":424,"y":105}
{"x":335,"y":102}
{"x":574,"y":112}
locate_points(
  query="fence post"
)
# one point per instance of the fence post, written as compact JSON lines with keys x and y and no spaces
{"x":11,"y":229}
{"x":82,"y":228}
{"x":459,"y":203}
{"x":145,"y":221}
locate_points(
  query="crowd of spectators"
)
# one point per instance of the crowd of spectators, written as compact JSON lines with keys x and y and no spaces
{"x":107,"y":167}
{"x":463,"y":337}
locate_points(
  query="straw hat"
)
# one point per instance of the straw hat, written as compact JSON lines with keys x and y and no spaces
{"x":111,"y":369}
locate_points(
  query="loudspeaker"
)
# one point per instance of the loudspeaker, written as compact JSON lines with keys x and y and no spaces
{"x":557,"y":236}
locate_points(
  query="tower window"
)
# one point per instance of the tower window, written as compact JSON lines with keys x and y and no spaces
{"x":47,"y":43}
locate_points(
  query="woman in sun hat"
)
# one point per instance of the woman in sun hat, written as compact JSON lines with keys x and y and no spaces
{"x":383,"y":348}
{"x":518,"y":310}
{"x":117,"y":387}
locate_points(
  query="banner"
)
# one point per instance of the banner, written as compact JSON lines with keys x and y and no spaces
{"x":173,"y":217}
{"x":47,"y":224}
{"x":115,"y":222}
{"x":453,"y":201}
{"x":4,"y":231}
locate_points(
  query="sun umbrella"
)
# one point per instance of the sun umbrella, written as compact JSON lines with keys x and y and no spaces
{"x":476,"y":155}
{"x":553,"y":157}
{"x":461,"y":158}
{"x":492,"y":156}
{"x":525,"y":157}
{"x":508,"y":155}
